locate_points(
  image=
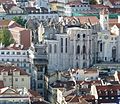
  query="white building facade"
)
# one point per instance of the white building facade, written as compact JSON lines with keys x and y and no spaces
{"x":16,"y":56}
{"x":108,"y":40}
{"x":70,"y":50}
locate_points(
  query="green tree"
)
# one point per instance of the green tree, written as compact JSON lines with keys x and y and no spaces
{"x":93,"y":2}
{"x":6,"y":37}
{"x":20,"y":20}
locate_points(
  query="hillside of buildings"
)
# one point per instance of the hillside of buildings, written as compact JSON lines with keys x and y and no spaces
{"x":59,"y":51}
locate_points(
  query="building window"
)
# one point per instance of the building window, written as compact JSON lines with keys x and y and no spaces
{"x":22,"y":79}
{"x":50,"y":48}
{"x":4,"y":73}
{"x":41,"y":93}
{"x":100,"y":97}
{"x":40,"y":77}
{"x":8,"y":53}
{"x":24,"y":65}
{"x":55,"y":48}
{"x":42,"y":17}
{"x":4,"y":79}
{"x":77,"y":65}
{"x":84,"y":49}
{"x":78,"y":36}
{"x":61,"y":45}
{"x":78,"y":49}
{"x":100,"y":47}
{"x":10,"y":79}
{"x":83,"y":36}
{"x":18,"y":53}
{"x":84,"y":64}
{"x":16,"y":79}
{"x":83,"y":56}
{"x":112,"y":97}
{"x":2,"y":53}
{"x":40,"y":69}
{"x":23,"y":53}
{"x":13,"y":53}
{"x":40,"y":85}
{"x":66,"y":45}
{"x":106,"y":98}
{"x":105,"y":58}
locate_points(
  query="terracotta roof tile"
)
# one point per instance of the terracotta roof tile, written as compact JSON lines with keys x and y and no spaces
{"x":74,"y":3}
{"x":113,"y":21}
{"x":88,"y":97}
{"x":87,"y":19}
{"x":75,"y":99}
{"x":108,"y":88}
{"x":7,"y":7}
{"x":6,"y":1}
{"x":114,"y":10}
{"x":114,"y":1}
{"x":99,"y":6}
{"x":13,"y":47}
{"x":89,"y":82}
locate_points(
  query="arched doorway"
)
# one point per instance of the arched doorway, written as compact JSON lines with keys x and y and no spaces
{"x":114,"y":53}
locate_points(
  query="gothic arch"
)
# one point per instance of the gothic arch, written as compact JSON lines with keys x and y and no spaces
{"x":78,"y":49}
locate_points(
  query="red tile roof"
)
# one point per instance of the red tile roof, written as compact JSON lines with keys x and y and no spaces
{"x":13,"y":47}
{"x":63,"y":84}
{"x":34,"y":93}
{"x":89,"y":82}
{"x":108,"y":88}
{"x":99,"y":6}
{"x":74,"y":3}
{"x":113,"y":21}
{"x":7,"y":7}
{"x":6,"y":1}
{"x":10,"y":69}
{"x":88,"y":97}
{"x":114,"y":1}
{"x":87,"y":19}
{"x":75,"y":99}
{"x":114,"y":10}
{"x":8,"y":24}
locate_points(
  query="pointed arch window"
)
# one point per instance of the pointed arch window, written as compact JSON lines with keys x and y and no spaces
{"x":83,"y":36}
{"x":78,"y":49}
{"x":84,"y":49}
{"x":55,"y":48}
{"x":78,"y":36}
{"x":101,"y":47}
{"x":50,"y":48}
